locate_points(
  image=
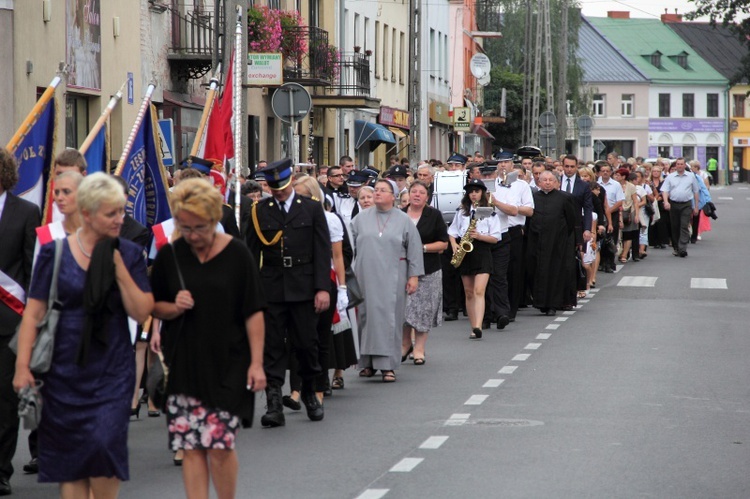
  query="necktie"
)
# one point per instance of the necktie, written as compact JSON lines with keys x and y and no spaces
{"x":568,"y":189}
{"x":281,"y":205}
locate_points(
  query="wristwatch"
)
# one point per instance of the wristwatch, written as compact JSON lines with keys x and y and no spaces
{"x":424,"y":248}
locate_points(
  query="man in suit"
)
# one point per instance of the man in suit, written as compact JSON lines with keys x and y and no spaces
{"x":581,"y":191}
{"x":18,"y":222}
{"x":289,"y":239}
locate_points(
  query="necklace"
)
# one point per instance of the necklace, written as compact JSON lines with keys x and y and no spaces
{"x":382,"y":228}
{"x":80,"y":244}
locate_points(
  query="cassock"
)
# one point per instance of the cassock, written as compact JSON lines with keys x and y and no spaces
{"x":388,"y":251}
{"x":550,"y":250}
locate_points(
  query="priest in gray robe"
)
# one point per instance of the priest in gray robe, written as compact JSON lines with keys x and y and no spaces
{"x":387,"y":262}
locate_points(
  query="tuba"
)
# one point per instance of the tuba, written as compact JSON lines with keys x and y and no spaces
{"x":465,"y":245}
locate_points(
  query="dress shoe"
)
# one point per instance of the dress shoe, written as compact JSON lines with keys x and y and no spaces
{"x":451,"y":315}
{"x":274,"y":416}
{"x":683,"y":254}
{"x":550,"y":312}
{"x":608,"y":270}
{"x":31,"y":467}
{"x":5,"y":489}
{"x":314,"y":408}
{"x":503,"y":321}
{"x":289,"y":402}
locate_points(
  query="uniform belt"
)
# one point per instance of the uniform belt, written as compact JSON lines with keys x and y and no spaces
{"x":286,"y":261}
{"x":515,"y":230}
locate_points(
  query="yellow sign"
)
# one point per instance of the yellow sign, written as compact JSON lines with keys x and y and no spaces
{"x":462,"y":119}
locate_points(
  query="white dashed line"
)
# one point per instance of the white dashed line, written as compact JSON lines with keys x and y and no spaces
{"x":743,"y":188}
{"x":583,"y":301}
{"x":543,"y":336}
{"x":707,"y":283}
{"x":521,"y":357}
{"x":476,"y":400}
{"x":569,"y":312}
{"x":618,"y":268}
{"x":507,"y":370}
{"x":457,"y":419}
{"x":493,"y":383}
{"x":561,"y":319}
{"x":433,"y":442}
{"x":726,"y":198}
{"x":593,"y":290}
{"x":532,"y":346}
{"x":373,"y":494}
{"x":552,"y":326}
{"x":638,"y":281}
{"x":406,"y":465}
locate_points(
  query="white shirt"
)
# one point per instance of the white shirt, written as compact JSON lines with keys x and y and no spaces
{"x":490,"y":226}
{"x":287,"y":202}
{"x":335,"y":228}
{"x":518,"y":194}
{"x":3,"y":197}
{"x":614,"y":192}
{"x":565,"y":180}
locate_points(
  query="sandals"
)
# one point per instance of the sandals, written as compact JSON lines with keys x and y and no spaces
{"x":581,"y":295}
{"x":419,"y":361}
{"x":367,"y":372}
{"x":623,"y":260}
{"x":406,"y":355}
{"x":389,"y":376}
{"x":337,"y":383}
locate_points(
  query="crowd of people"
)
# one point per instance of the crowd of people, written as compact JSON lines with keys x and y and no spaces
{"x":325,"y":270}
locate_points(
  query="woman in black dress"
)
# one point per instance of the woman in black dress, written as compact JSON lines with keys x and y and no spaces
{"x":207,"y":292}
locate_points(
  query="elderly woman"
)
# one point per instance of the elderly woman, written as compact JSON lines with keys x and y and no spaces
{"x":207,"y":292}
{"x":424,"y":308}
{"x":630,"y":219}
{"x":365,"y":197}
{"x":84,"y":430}
{"x":388,"y":263}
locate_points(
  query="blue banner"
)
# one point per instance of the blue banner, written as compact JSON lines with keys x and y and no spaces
{"x":148,"y":201}
{"x":96,"y":155}
{"x":34,"y":156}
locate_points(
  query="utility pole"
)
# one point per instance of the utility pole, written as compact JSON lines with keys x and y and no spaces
{"x":548,"y":57}
{"x":536,"y":88}
{"x":415,"y":91}
{"x":527,"y":47}
{"x":562,"y":80}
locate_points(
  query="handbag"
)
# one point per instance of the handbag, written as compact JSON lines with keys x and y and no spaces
{"x":649,"y":208}
{"x":158,"y":373}
{"x":30,"y":405}
{"x":353,"y":289}
{"x":626,"y":217}
{"x":44,"y":345}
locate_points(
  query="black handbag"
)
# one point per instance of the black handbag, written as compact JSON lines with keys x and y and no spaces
{"x":649,"y":208}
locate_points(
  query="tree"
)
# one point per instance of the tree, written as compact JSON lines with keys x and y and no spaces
{"x":506,"y":134}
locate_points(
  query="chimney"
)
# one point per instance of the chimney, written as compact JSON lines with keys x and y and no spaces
{"x":618,"y":14}
{"x":671,"y":18}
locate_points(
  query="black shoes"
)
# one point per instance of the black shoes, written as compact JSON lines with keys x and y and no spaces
{"x":683,"y":254}
{"x":486,"y":324}
{"x":5,"y":489}
{"x":32,"y":467}
{"x":476,"y":334}
{"x":274,"y":416}
{"x":548,"y":311}
{"x":314,"y":408}
{"x":289,"y":402}
{"x":408,"y":352}
{"x":503,"y":321}
{"x":451,"y":315}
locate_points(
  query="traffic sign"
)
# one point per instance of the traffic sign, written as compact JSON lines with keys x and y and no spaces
{"x":166,"y":141}
{"x":585,"y":123}
{"x":291,"y":102}
{"x":584,"y":140}
{"x":547,"y":119}
{"x":599,"y":146}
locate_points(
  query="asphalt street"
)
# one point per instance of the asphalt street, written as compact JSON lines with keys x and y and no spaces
{"x":642,"y":391}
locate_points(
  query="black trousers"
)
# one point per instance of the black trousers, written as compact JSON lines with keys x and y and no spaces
{"x":516,"y":269}
{"x":291,"y":324}
{"x":694,"y":223}
{"x":608,"y":258}
{"x":9,"y":422}
{"x":452,"y":287}
{"x":680,"y":215}
{"x":325,"y":319}
{"x":496,"y":297}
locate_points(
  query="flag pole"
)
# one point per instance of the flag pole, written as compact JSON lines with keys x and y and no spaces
{"x":210,"y":96}
{"x":102,"y":119}
{"x":33,"y":116}
{"x":136,"y":126}
{"x":238,"y":118}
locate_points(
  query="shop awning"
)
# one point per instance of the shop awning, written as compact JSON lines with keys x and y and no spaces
{"x":397,"y":131}
{"x":482,"y":132}
{"x":372,"y":133}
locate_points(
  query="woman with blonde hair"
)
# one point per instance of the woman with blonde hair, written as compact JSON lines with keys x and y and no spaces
{"x":207,"y":292}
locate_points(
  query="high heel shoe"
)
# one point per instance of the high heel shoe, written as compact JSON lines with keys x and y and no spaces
{"x":176,"y":461}
{"x":154,"y":414}
{"x":406,"y":355}
{"x":136,"y":411}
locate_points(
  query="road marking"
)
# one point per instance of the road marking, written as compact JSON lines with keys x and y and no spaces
{"x":457,"y":419}
{"x":743,"y":188}
{"x":707,"y":283}
{"x":569,"y":312}
{"x":493,"y":383}
{"x":618,"y":268}
{"x":561,"y":319}
{"x":726,"y":198}
{"x":373,"y":494}
{"x":406,"y":464}
{"x":583,"y":301}
{"x":532,"y":346}
{"x":507,"y":370}
{"x":521,"y":357}
{"x":578,"y":306}
{"x":638,"y":281}
{"x":552,"y":326}
{"x":543,"y":336}
{"x":433,"y":442}
{"x":593,"y":290}
{"x":476,"y":400}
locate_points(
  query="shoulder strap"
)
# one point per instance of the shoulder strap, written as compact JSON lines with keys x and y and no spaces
{"x":55,"y":271}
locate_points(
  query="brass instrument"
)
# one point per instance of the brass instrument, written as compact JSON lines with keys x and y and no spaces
{"x":465,"y":245}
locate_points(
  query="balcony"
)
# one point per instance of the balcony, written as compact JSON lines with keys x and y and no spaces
{"x":314,"y":67}
{"x":192,"y":43}
{"x":351,"y":85}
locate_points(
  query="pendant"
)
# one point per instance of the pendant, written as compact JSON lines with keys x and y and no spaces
{"x":380,"y":234}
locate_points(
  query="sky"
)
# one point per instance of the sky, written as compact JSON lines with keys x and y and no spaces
{"x":638,"y":8}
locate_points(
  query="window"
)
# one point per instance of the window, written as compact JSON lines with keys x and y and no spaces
{"x":76,"y":120}
{"x":627,"y":105}
{"x":394,"y":56}
{"x":386,"y":50}
{"x":738,"y":110}
{"x":357,"y":38}
{"x":712,"y":105}
{"x":664,"y":111}
{"x":598,"y":109}
{"x":366,"y":37}
{"x":664,"y":151}
{"x":432,"y":53}
{"x":688,"y":152}
{"x":688,"y":105}
{"x":377,"y":49}
{"x":655,"y":59}
{"x":404,"y":57}
{"x":314,"y":18}
{"x":682,"y":60}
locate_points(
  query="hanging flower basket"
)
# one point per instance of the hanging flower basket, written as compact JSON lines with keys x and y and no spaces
{"x":263,"y":29}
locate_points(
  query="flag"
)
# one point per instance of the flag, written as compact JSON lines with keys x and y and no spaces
{"x":219,"y":140}
{"x":34,"y":155}
{"x":143,"y":171}
{"x":97,"y":155}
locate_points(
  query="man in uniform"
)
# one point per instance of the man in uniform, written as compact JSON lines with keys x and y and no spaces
{"x":398,"y":174}
{"x":290,"y":241}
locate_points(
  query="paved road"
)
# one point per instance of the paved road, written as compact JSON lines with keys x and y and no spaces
{"x":640,"y":392}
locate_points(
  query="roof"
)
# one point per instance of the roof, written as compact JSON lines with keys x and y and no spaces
{"x":639,"y":38}
{"x":601,"y":62}
{"x":718,"y":45}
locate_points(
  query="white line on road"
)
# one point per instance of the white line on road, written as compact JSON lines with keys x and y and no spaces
{"x":743,"y":188}
{"x":532,"y":346}
{"x":707,"y":283}
{"x":493,"y":383}
{"x":561,"y":319}
{"x":476,"y":400}
{"x":373,"y":494}
{"x":638,"y":281}
{"x":433,"y":442}
{"x":593,"y":290}
{"x":569,"y":312}
{"x":457,"y":419}
{"x":543,"y":336}
{"x":507,"y":370}
{"x":583,"y":301}
{"x":726,"y":198}
{"x":618,"y":268}
{"x":521,"y":357}
{"x":406,"y":464}
{"x":553,"y":326}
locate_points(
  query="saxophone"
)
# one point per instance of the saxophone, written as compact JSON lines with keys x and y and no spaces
{"x":465,"y":245}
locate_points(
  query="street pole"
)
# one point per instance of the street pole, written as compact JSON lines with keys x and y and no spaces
{"x":415,"y":92}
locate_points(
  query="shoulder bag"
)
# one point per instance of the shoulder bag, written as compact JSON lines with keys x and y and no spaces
{"x":44,"y":345}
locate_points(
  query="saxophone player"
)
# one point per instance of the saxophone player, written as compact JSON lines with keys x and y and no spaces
{"x":475,"y":258}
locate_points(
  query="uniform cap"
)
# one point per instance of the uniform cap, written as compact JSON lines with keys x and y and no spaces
{"x":474,"y":183}
{"x":200,"y":164}
{"x":396,"y":171}
{"x":278,"y":174}
{"x":458,"y":158}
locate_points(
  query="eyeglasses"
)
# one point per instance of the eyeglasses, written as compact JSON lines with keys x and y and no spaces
{"x":198,"y":229}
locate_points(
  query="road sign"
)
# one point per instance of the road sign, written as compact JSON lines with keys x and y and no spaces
{"x":599,"y":146}
{"x":547,"y":118}
{"x":461,"y":119}
{"x":291,"y":102}
{"x":585,"y":122}
{"x":166,"y":141}
{"x":584,"y":140}
{"x":480,"y":65}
